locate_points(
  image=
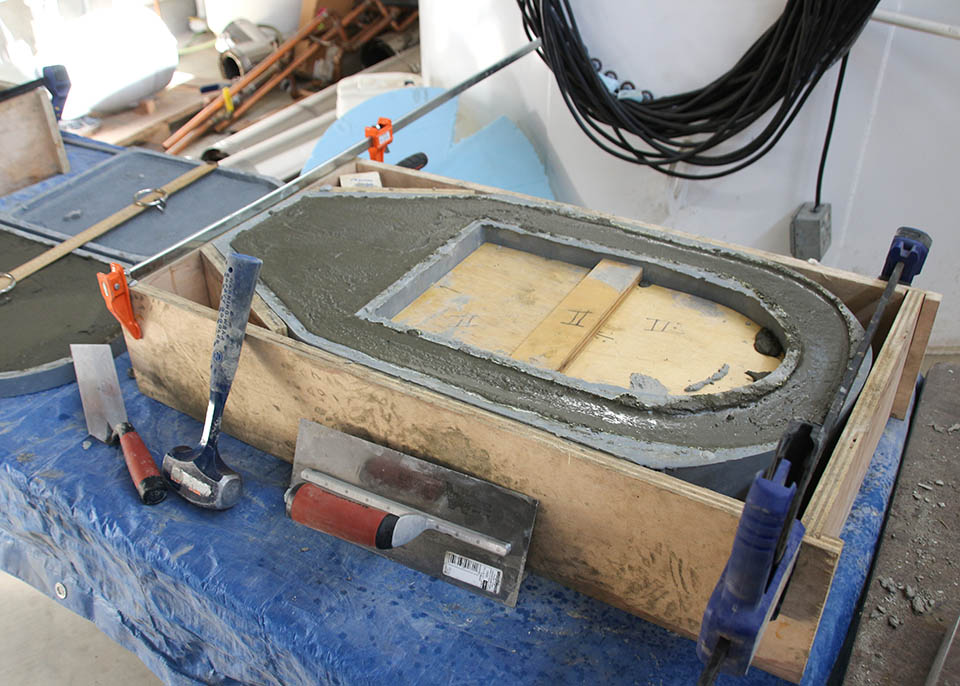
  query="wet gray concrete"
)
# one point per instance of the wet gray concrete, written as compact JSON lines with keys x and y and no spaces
{"x":327,"y":256}
{"x":59,"y":305}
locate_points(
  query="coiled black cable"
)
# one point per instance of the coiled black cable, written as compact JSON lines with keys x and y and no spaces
{"x":777,"y":74}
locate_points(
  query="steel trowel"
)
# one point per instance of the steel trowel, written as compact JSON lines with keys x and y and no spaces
{"x":466,"y":531}
{"x":107,"y":417}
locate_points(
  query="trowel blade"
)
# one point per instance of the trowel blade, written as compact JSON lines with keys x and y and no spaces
{"x":99,"y":389}
{"x":439,"y":492}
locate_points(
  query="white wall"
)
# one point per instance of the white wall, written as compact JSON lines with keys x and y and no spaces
{"x":891,"y":160}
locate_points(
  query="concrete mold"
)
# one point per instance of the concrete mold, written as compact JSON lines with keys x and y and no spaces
{"x":338,"y":266}
{"x":44,"y":314}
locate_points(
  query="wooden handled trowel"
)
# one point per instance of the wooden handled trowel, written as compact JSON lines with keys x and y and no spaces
{"x":455,"y":527}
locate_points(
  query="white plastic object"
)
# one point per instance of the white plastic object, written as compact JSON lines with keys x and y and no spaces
{"x":115,"y":58}
{"x":353,"y":90}
{"x":283,"y":15}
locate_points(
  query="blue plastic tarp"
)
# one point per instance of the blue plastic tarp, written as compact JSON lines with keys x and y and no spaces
{"x":247,"y":596}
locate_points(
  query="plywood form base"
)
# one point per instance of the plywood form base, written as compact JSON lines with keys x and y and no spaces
{"x":637,"y":539}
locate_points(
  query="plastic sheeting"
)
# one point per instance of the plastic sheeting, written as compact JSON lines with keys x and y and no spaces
{"x":248,"y":597}
{"x":497,"y":155}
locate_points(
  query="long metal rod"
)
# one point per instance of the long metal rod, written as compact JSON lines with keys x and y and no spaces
{"x":917,"y":24}
{"x":298,"y":184}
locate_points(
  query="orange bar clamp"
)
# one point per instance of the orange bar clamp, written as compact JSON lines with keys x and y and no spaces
{"x":376,"y":133}
{"x":116,"y":294}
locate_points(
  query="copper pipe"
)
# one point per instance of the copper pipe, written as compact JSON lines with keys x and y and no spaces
{"x":190,"y":137}
{"x":244,"y":81}
{"x":381,"y":7}
{"x":395,"y":24}
{"x":370,"y":31}
{"x":355,"y":12}
{"x":393,"y":11}
{"x":406,"y":22}
{"x":269,"y":86}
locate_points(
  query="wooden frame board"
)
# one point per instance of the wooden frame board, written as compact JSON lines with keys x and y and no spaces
{"x":633,"y":537}
{"x":32,"y":146}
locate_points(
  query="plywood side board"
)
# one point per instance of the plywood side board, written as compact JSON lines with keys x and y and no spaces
{"x":184,"y":277}
{"x":840,"y":483}
{"x":918,"y":347}
{"x":261,"y":314}
{"x":198,"y":278}
{"x":635,"y":538}
{"x":392,"y":176}
{"x":32,"y":147}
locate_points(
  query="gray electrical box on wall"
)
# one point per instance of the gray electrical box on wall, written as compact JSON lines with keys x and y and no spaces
{"x":810,"y":231}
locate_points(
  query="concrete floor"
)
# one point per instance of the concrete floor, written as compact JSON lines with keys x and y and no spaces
{"x":45,"y":644}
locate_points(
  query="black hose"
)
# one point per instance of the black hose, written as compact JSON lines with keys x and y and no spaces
{"x":776,"y":74}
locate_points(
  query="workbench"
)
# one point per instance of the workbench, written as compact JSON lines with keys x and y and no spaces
{"x":247,"y":596}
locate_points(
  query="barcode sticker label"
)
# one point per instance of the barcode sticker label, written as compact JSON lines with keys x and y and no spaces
{"x":471,"y":572}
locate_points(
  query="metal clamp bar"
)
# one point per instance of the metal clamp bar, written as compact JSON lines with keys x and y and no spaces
{"x":206,"y":234}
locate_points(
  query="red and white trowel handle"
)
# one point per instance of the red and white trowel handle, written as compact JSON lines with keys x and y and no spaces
{"x":346,"y":511}
{"x":325,"y":511}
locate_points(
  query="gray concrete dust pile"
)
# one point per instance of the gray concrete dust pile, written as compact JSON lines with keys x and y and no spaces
{"x":337,"y":266}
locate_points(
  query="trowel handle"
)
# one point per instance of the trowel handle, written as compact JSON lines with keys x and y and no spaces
{"x":239,"y":283}
{"x":143,"y":470}
{"x":328,"y":512}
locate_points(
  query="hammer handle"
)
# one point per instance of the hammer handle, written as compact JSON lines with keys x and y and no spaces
{"x":239,"y":284}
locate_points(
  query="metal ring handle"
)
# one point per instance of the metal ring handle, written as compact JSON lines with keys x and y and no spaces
{"x":159,"y":201}
{"x":9,"y":287}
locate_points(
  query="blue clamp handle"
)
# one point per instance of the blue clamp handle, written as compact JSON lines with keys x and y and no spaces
{"x":57,"y":81}
{"x":54,"y":79}
{"x":909,"y":246}
{"x":744,"y":599}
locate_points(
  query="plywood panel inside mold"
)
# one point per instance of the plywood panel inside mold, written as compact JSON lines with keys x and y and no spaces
{"x":655,"y":338}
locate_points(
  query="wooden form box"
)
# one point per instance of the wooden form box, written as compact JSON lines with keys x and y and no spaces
{"x":633,"y":537}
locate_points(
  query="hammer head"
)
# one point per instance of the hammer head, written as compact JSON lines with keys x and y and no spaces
{"x":202,"y":478}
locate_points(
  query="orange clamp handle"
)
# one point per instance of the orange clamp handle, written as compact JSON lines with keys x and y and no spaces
{"x":116,"y":294}
{"x":376,"y":133}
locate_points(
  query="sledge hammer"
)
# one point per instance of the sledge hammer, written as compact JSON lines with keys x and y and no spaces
{"x":198,"y":474}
